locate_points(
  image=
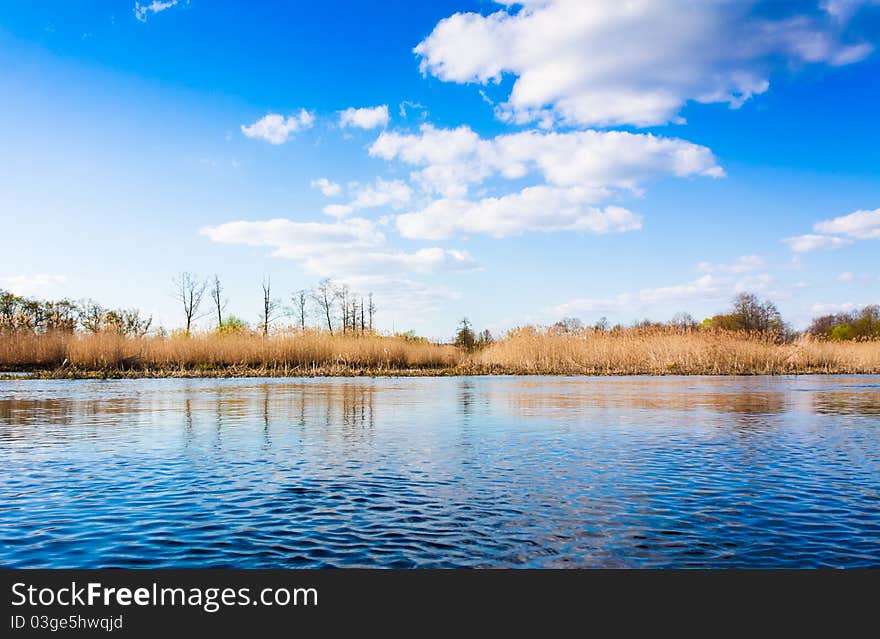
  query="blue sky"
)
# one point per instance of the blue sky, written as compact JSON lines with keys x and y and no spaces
{"x":511,"y":163}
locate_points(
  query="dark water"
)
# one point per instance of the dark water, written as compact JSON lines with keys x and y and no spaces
{"x":537,"y":472}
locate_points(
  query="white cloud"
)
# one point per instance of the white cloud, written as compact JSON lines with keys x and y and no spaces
{"x":353,"y":251}
{"x":328,"y":188}
{"x":742,"y":264}
{"x":156,"y":6}
{"x":394,"y":193}
{"x":846,"y":277}
{"x":844,"y":9}
{"x":356,"y":264}
{"x":345,"y":249}
{"x":405,"y":106}
{"x":753,"y":283}
{"x":366,"y":118}
{"x":453,"y":159}
{"x":276,"y":129}
{"x":338,"y":210}
{"x":402,"y":298}
{"x":298,"y":240}
{"x":808,"y":243}
{"x":607,"y":62}
{"x":30,"y":284}
{"x":707,"y":288}
{"x":861,"y":225}
{"x":832,"y":308}
{"x":537,"y":208}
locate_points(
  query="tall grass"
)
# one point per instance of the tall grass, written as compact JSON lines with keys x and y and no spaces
{"x":526,"y":351}
{"x":309,"y":352}
{"x":664,"y":351}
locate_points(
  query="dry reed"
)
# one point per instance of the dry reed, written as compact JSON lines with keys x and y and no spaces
{"x":671,"y":352}
{"x":522,"y":352}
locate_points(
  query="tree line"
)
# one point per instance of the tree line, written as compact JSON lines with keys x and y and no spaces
{"x":859,"y":324}
{"x":337,"y":308}
{"x":749,"y":314}
{"x":333,"y":305}
{"x":23,"y":314}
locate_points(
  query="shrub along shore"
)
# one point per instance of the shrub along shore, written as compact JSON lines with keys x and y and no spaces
{"x":524,"y":351}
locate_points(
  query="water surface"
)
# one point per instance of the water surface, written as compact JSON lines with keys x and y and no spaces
{"x":441,"y":472}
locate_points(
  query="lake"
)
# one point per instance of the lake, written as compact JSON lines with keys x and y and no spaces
{"x":441,"y":472}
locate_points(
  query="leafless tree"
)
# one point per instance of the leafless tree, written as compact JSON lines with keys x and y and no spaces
{"x":216,"y":293}
{"x":300,"y":298}
{"x":325,"y":296}
{"x":271,"y":307}
{"x":189,"y":291}
{"x":371,"y":309}
{"x":684,"y":321}
{"x":362,"y":316}
{"x":343,"y":293}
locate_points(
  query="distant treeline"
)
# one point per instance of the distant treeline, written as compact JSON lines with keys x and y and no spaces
{"x":329,"y":305}
{"x":335,"y":307}
{"x":862,"y":324}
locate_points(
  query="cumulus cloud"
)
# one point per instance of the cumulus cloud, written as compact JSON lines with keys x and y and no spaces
{"x":832,"y":308}
{"x":707,"y":288}
{"x":276,"y":129}
{"x":346,"y":248}
{"x":538,"y":208}
{"x":450,"y":160}
{"x":298,"y":240}
{"x":861,"y":225}
{"x":423,"y":261}
{"x":404,"y":298}
{"x":328,"y":188}
{"x":610,"y":63}
{"x":365,"y":118}
{"x":742,"y":264}
{"x":394,"y":193}
{"x":30,"y":284}
{"x":808,"y":243}
{"x":356,"y":252}
{"x":156,"y":6}
{"x":338,"y":210}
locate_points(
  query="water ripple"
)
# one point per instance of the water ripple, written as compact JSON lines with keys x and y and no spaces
{"x":450,"y":472}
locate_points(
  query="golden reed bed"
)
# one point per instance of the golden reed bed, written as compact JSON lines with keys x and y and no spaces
{"x":522,"y":352}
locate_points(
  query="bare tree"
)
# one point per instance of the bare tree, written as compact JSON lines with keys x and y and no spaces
{"x":343,"y":294}
{"x":362,"y":315}
{"x":684,"y":321}
{"x":325,"y":295}
{"x":189,"y":291}
{"x":271,"y":307}
{"x":299,"y":300}
{"x":216,"y":293}
{"x":371,"y":309}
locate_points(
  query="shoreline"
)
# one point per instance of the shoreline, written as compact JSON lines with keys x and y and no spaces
{"x":655,"y":352}
{"x":289,"y":373}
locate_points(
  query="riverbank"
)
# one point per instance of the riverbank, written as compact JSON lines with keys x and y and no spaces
{"x":528,"y":351}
